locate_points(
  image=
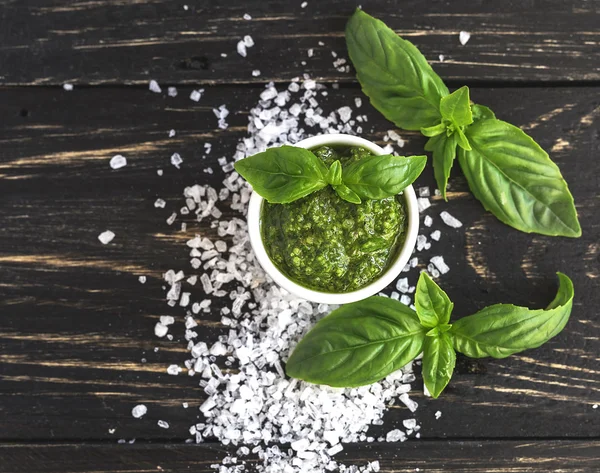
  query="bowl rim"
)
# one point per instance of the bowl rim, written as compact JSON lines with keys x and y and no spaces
{"x":374,"y":287}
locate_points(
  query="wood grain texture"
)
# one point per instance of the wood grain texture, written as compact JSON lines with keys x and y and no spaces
{"x":437,"y":456}
{"x":76,"y":323}
{"x":98,"y":42}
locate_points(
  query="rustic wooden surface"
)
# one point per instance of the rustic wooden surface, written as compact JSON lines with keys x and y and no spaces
{"x":74,"y":321}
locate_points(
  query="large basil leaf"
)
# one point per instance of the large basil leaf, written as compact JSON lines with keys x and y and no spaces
{"x":394,"y":73}
{"x":378,"y":177}
{"x":503,"y":329}
{"x":444,"y":152}
{"x":516,"y":180}
{"x":282,"y":175}
{"x":439,"y":359}
{"x":432,"y":303}
{"x":456,"y":107}
{"x":358,"y":344}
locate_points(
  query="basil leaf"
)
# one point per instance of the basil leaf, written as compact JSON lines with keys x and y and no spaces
{"x":285,"y":174}
{"x":432,"y":303}
{"x":433,"y":130}
{"x":334,"y":174}
{"x":481,"y":112}
{"x":462,"y":140}
{"x":503,"y":329}
{"x":378,"y":177}
{"x":394,"y":74}
{"x":516,"y":180}
{"x":358,"y":344}
{"x":456,"y":107}
{"x":344,"y":192}
{"x":439,"y":359}
{"x":444,"y":152}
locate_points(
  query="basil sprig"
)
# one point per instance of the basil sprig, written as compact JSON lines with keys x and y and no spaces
{"x":505,"y":168}
{"x":363,"y":342}
{"x":285,"y":174}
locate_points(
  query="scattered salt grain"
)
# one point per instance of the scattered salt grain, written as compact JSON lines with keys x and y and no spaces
{"x":154,"y":87}
{"x":255,"y":73}
{"x":241,"y":48}
{"x":402,"y":285}
{"x":68,"y":87}
{"x":159,"y":172}
{"x":172,"y":91}
{"x":310,"y":52}
{"x":112,"y":431}
{"x":464,"y":37}
{"x":139,"y":411}
{"x":248,"y":41}
{"x":335,"y":449}
{"x":440,"y":264}
{"x":159,"y":203}
{"x":171,"y":218}
{"x":303,"y":4}
{"x":395,"y":435}
{"x":595,"y":406}
{"x":174,"y":370}
{"x":118,"y":161}
{"x":196,"y":95}
{"x":423,"y":203}
{"x":247,"y":16}
{"x":176,"y":160}
{"x":106,"y":237}
{"x":450,"y":220}
{"x":438,"y":414}
{"x":435,"y":235}
{"x":167,"y":320}
{"x":442,"y":57}
{"x":162,"y":424}
{"x":172,"y":133}
{"x":142,"y":279}
{"x":427,"y":221}
{"x":160,"y":330}
{"x":424,"y":192}
{"x":345,"y":113}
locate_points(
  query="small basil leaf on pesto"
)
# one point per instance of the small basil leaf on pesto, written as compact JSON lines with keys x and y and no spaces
{"x":432,"y":303}
{"x":285,"y":174}
{"x":393,"y":73}
{"x":444,"y":152}
{"x":517,"y":181}
{"x":347,"y":194}
{"x":504,"y":329}
{"x":439,"y":359}
{"x":378,"y":177}
{"x":334,"y":174}
{"x":358,"y":344}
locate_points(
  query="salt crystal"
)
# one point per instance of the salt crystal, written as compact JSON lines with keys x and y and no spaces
{"x":68,"y":87}
{"x":106,"y":237}
{"x":438,"y":414}
{"x":171,"y":219}
{"x":464,"y":37}
{"x":335,"y":449}
{"x":196,"y":95}
{"x":595,"y":406}
{"x":241,"y":48}
{"x":255,"y":73}
{"x":409,"y":423}
{"x":450,"y":220}
{"x":160,"y":330}
{"x":440,"y":264}
{"x":118,"y":161}
{"x":248,"y":41}
{"x":395,"y":436}
{"x":172,"y":92}
{"x":176,"y":160}
{"x":358,"y":102}
{"x":159,"y":204}
{"x":442,"y":57}
{"x":424,"y":192}
{"x":408,"y":402}
{"x":423,"y":203}
{"x":154,"y":87}
{"x":300,"y":445}
{"x":162,"y":424}
{"x":402,"y":285}
{"x":172,"y":133}
{"x":159,"y":172}
{"x":406,"y":300}
{"x":345,"y":113}
{"x":247,"y":16}
{"x":167,"y":319}
{"x":174,"y":370}
{"x":310,"y":52}
{"x":139,"y":411}
{"x":427,"y":221}
{"x":142,"y":279}
{"x":303,"y":4}
{"x":435,"y":235}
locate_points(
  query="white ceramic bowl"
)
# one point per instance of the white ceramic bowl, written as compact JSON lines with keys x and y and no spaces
{"x":254,"y":222}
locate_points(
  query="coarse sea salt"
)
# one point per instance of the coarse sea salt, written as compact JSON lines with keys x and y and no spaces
{"x":118,"y":161}
{"x":252,"y":403}
{"x":139,"y":411}
{"x":450,"y":220}
{"x":106,"y":237}
{"x":464,"y":37}
{"x":68,"y":87}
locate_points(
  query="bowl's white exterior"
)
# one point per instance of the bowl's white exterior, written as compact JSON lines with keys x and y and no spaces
{"x":254,"y":210}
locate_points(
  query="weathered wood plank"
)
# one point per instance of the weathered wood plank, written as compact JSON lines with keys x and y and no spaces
{"x":96,"y":42}
{"x":76,"y":322}
{"x":435,"y":456}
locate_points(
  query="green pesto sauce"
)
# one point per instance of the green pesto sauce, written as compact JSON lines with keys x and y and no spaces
{"x":325,"y":243}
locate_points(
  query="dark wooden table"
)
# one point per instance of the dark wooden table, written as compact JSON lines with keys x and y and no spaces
{"x":75,"y":322}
